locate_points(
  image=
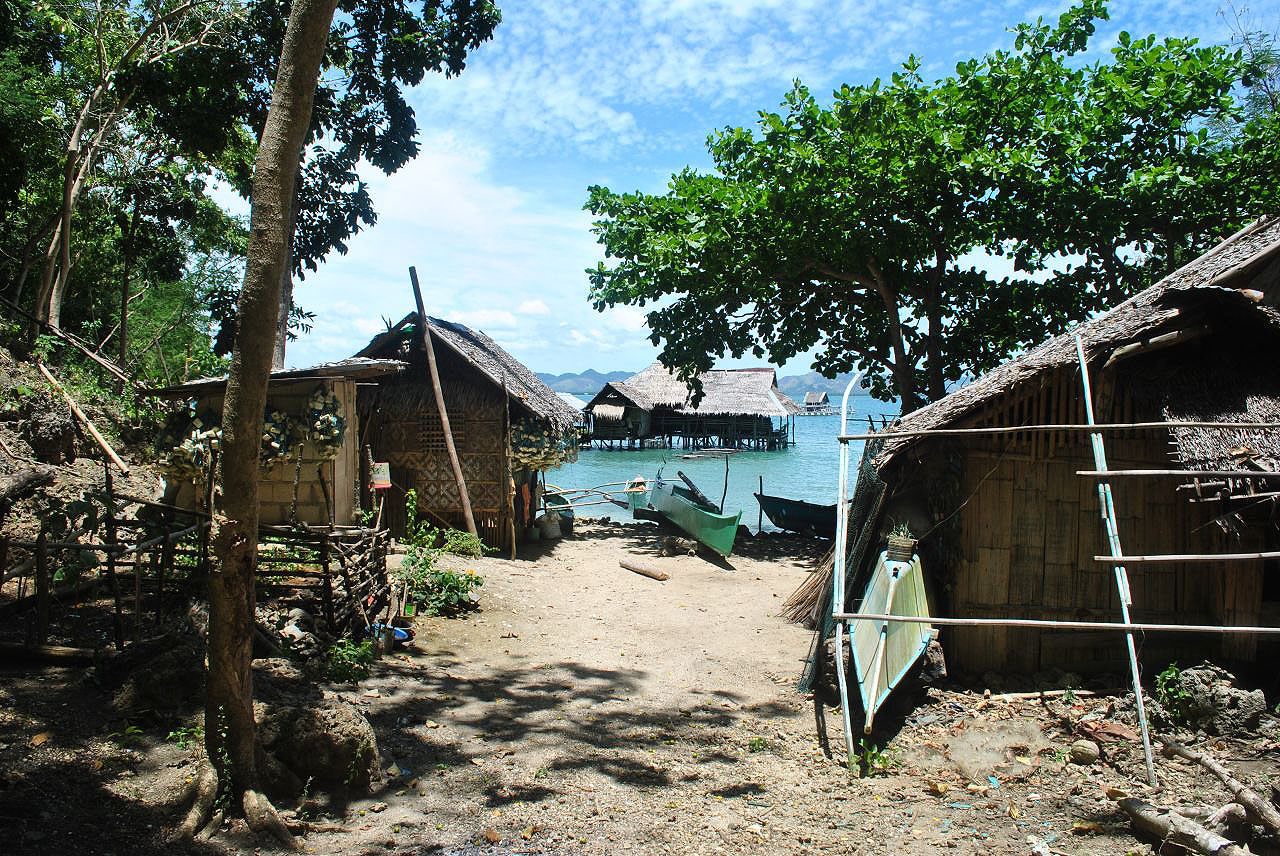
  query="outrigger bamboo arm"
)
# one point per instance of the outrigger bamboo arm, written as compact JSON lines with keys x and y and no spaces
{"x":1084,"y":429}
{"x":1187,"y":557}
{"x":1049,"y":624}
{"x":1184,"y":474}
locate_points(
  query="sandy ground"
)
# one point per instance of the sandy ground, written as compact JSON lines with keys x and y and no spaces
{"x":585,"y":709}
{"x":590,"y":710}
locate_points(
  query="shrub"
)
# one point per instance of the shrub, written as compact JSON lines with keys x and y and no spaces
{"x":347,"y":661}
{"x":433,"y":590}
{"x":1173,"y":696}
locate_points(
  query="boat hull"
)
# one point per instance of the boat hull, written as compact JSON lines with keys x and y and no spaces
{"x":795,"y":515}
{"x":677,"y":505}
{"x":884,"y":651}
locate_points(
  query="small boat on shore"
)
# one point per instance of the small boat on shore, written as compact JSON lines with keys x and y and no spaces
{"x":687,"y":509}
{"x":884,"y":651}
{"x":796,"y":515}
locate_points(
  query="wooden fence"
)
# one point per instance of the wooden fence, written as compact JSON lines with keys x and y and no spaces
{"x":117,"y":579}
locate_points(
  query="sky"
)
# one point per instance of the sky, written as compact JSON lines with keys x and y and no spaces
{"x":621,"y":93}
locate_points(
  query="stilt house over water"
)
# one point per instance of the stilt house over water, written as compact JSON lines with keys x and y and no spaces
{"x":817,"y":403}
{"x":507,"y":425}
{"x":1008,"y":526}
{"x":740,"y":409}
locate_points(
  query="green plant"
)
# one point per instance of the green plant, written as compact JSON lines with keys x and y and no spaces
{"x":347,"y":661}
{"x":901,"y":529}
{"x":873,"y":761}
{"x":131,"y":736}
{"x":433,"y":590}
{"x":186,"y":736}
{"x":446,"y":593}
{"x":757,"y":744}
{"x":1173,"y":696}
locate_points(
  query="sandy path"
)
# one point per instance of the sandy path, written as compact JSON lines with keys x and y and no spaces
{"x":589,"y":710}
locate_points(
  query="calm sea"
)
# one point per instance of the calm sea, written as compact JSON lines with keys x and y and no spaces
{"x":807,"y":470}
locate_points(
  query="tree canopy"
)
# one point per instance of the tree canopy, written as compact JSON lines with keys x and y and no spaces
{"x":865,"y":227}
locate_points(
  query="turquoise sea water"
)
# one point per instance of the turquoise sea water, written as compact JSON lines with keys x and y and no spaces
{"x":806,"y":470}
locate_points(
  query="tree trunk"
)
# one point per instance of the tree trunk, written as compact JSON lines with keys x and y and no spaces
{"x":933,"y":345}
{"x":229,"y":731}
{"x":286,"y":280}
{"x":129,"y":252}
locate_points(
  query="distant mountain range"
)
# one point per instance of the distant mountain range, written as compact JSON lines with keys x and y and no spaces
{"x":588,"y":383}
{"x":584,"y":384}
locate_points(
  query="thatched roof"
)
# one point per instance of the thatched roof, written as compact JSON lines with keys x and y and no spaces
{"x":355,"y":368}
{"x":726,"y":392}
{"x":813,"y":397}
{"x":1223,"y":280}
{"x":487,"y":357}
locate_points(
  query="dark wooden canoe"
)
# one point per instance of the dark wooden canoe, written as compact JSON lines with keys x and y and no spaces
{"x":796,"y":515}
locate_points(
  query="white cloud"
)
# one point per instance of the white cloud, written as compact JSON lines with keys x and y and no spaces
{"x":619,"y":93}
{"x":533,"y":307}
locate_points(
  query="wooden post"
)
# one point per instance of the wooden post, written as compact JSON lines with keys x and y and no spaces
{"x":112,"y":543}
{"x":166,"y":564}
{"x":424,"y":334}
{"x":42,"y":591}
{"x":760,"y":509}
{"x":327,"y":592}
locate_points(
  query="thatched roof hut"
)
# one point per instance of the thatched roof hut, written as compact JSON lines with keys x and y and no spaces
{"x":1008,"y":528}
{"x":507,"y":426}
{"x":327,"y":487}
{"x":738,"y":408}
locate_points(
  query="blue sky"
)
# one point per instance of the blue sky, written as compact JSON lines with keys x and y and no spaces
{"x":577,"y":92}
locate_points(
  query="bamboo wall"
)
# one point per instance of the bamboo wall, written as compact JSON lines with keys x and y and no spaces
{"x":405,"y":430}
{"x":1023,"y":544}
{"x":275,"y":489}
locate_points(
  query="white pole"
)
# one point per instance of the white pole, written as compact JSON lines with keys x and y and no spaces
{"x":1122,"y":577}
{"x":837,"y":575}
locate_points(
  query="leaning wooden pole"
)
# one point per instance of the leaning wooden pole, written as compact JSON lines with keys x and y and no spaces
{"x":424,"y":333}
{"x":1108,"y":508}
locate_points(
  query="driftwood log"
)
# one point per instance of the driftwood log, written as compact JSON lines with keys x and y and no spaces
{"x":1260,"y":810}
{"x":1168,"y":825}
{"x":21,"y":484}
{"x":645,"y":570}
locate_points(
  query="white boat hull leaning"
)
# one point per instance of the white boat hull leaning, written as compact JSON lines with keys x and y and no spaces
{"x":884,"y":651}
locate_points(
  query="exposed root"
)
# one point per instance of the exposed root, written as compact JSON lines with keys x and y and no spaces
{"x":211,"y":828}
{"x":204,"y":791}
{"x":261,"y":816}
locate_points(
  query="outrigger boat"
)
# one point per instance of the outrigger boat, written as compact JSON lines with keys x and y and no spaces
{"x":796,"y":515}
{"x":686,"y":507}
{"x":884,"y":651}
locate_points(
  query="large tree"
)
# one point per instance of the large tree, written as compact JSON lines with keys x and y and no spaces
{"x":230,"y":735}
{"x":375,"y":50}
{"x":854,"y":226}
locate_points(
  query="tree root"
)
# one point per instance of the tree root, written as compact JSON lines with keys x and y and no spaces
{"x":261,"y":816}
{"x":1170,"y":826}
{"x":203,"y":819}
{"x":1260,"y":811}
{"x":203,"y":793}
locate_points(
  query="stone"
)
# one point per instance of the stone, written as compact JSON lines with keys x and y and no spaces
{"x":329,"y":741}
{"x":1084,"y":752}
{"x":1213,"y":702}
{"x":302,"y":618}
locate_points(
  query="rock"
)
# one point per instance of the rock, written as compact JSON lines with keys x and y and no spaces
{"x":171,"y":681}
{"x":329,"y":742}
{"x":670,"y":545}
{"x":933,"y":667}
{"x":1085,"y":752}
{"x":293,"y":633}
{"x":51,"y":434}
{"x":302,"y":618}
{"x":1213,"y":703}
